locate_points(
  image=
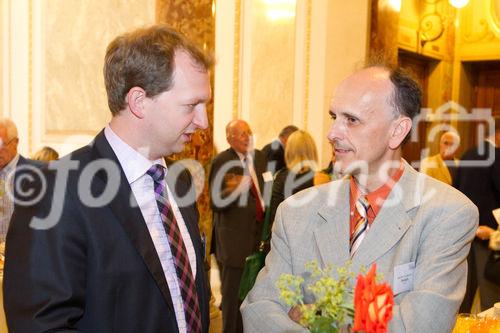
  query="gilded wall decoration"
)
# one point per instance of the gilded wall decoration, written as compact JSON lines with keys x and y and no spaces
{"x":384,"y":22}
{"x":196,"y":20}
{"x":478,"y":22}
{"x":493,"y":16}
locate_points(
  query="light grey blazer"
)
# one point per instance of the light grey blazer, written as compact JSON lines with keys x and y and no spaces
{"x":422,"y":221}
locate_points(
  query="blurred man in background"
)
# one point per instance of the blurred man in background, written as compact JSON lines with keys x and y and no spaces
{"x":275,"y":151}
{"x":442,"y":166}
{"x":236,"y":184}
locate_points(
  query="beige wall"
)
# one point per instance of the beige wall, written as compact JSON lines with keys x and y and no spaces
{"x":274,"y":73}
{"x":346,"y":49}
{"x":56,"y":48}
{"x":2,"y":67}
{"x":4,"y":56}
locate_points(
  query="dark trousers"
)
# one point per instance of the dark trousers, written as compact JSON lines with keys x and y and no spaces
{"x":230,"y":282}
{"x":488,"y":291}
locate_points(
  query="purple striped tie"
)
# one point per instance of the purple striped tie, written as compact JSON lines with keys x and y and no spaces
{"x":179,"y":253}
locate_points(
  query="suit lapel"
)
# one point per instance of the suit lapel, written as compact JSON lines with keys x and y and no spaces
{"x":392,"y":221}
{"x":131,"y":219}
{"x":332,"y":235}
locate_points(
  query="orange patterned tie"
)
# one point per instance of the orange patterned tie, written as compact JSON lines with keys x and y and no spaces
{"x":361,"y":227}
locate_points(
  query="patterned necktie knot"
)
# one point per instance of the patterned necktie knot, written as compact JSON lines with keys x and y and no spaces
{"x":362,"y":206}
{"x":157,"y":172}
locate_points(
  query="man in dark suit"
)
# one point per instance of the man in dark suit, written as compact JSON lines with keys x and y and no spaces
{"x":113,"y":245}
{"x":482,"y":185}
{"x":13,"y":166}
{"x":275,"y":151}
{"x":236,"y":185}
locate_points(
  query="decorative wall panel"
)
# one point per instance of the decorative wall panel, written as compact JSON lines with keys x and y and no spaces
{"x":383,"y":25}
{"x":268,"y":66}
{"x":75,"y":36}
{"x":2,"y":47}
{"x":479,"y":37}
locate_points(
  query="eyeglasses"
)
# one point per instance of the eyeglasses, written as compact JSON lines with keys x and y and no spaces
{"x":241,"y":135}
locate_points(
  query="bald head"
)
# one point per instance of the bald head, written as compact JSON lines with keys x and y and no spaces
{"x":448,"y":145}
{"x":370,"y":122}
{"x":369,"y":88}
{"x":8,"y":141}
{"x":239,"y":136}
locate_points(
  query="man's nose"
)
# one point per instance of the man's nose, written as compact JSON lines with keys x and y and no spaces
{"x":336,"y":131}
{"x":201,"y":118}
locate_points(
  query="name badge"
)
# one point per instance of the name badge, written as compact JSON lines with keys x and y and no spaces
{"x":267,"y":176}
{"x":403,"y":278}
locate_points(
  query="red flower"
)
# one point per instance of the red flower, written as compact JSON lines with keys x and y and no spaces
{"x":372,"y":304}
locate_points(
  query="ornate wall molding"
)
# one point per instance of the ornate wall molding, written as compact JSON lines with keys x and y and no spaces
{"x":307,"y":62}
{"x":30,"y":77}
{"x":492,"y":15}
{"x":237,"y":58}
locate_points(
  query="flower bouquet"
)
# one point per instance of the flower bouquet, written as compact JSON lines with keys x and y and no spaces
{"x":338,"y":307}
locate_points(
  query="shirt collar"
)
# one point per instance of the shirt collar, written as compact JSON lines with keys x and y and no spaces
{"x":376,"y":198}
{"x":242,"y":157}
{"x":134,"y":164}
{"x":11,"y":166}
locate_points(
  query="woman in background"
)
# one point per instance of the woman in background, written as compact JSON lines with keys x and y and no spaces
{"x":301,"y":159}
{"x":46,"y":154}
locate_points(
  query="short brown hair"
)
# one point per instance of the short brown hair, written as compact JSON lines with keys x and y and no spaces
{"x":145,"y":58}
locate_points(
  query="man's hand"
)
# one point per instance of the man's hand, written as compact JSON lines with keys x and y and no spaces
{"x":232,"y":182}
{"x":484,"y":232}
{"x":295,"y":313}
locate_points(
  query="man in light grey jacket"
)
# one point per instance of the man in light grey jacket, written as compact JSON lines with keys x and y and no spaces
{"x":416,"y":229}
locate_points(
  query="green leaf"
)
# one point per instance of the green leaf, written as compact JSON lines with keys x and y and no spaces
{"x":323,"y":325}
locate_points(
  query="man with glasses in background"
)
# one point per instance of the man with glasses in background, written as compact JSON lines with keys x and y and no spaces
{"x":10,"y":162}
{"x":236,"y":188}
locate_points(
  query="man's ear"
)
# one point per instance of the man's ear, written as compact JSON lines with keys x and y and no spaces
{"x":15,"y":143}
{"x":400,"y":128}
{"x":135,"y":100}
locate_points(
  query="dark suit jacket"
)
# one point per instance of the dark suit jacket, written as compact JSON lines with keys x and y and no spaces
{"x":26,"y":172}
{"x":97,"y":269}
{"x":301,"y":181}
{"x":236,"y":231}
{"x":26,"y":161}
{"x":481,"y":184}
{"x":275,"y":155}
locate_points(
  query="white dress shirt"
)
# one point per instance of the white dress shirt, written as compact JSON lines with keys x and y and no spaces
{"x":135,"y":166}
{"x":247,"y":160}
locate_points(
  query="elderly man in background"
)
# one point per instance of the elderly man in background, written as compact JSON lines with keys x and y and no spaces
{"x":442,"y":166}
{"x":275,"y":150}
{"x":415,"y":229}
{"x":12,"y":165}
{"x":236,"y":185}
